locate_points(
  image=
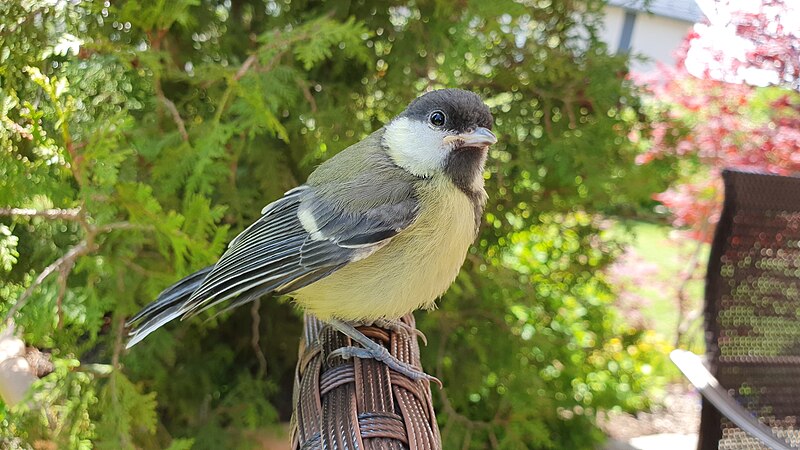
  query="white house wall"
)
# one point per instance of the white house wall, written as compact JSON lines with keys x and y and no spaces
{"x":654,"y":37}
{"x":612,"y":27}
{"x":657,"y":38}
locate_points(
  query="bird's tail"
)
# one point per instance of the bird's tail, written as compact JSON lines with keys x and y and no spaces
{"x":167,"y":306}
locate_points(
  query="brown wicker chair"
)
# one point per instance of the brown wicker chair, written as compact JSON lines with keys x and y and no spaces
{"x":360,"y":404}
{"x":751,"y":385}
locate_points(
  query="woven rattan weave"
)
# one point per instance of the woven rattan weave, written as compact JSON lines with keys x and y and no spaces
{"x":360,"y":403}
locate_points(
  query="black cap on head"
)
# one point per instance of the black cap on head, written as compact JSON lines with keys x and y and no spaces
{"x":463,"y":110}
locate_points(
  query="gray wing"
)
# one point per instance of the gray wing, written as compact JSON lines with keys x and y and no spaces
{"x":300,"y":239}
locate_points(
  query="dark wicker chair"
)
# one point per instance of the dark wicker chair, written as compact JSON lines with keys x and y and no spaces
{"x":751,"y":378}
{"x":360,"y":404}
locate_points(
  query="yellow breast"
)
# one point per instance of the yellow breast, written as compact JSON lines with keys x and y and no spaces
{"x":410,"y":272}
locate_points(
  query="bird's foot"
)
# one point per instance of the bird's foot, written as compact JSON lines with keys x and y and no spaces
{"x":373,"y":350}
{"x":398,"y":326}
{"x":385,"y":357}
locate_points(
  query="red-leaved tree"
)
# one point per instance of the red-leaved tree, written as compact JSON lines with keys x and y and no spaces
{"x":708,"y":115}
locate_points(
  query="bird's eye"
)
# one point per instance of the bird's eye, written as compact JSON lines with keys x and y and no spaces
{"x":437,"y":118}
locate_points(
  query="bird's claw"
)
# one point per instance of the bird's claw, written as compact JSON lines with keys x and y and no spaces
{"x":385,"y":357}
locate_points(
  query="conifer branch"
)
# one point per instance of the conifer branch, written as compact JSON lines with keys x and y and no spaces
{"x":252,"y":60}
{"x":32,"y":14}
{"x":255,"y":337}
{"x":122,"y":226}
{"x":65,"y":263}
{"x":118,"y":341}
{"x":245,"y":66}
{"x":66,"y":214}
{"x":307,"y":94}
{"x":63,"y":273}
{"x":62,"y":263}
{"x":173,"y":110}
{"x":17,"y":128}
{"x":155,"y":42}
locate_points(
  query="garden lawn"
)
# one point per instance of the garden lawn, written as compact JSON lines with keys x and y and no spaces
{"x":662,"y":256}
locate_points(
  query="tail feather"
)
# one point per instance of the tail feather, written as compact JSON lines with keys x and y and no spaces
{"x":167,"y":306}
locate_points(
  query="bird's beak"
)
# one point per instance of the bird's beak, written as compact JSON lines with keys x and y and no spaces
{"x":479,"y":137}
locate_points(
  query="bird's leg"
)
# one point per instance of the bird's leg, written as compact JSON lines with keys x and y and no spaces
{"x":398,"y":326}
{"x":373,"y":350}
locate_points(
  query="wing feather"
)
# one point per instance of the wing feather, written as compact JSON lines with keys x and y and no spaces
{"x":165,"y":307}
{"x":280,"y":252}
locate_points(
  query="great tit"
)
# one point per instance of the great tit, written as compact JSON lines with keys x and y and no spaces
{"x":376,"y":232}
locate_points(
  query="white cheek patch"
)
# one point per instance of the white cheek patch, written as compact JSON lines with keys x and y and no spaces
{"x":415,"y":146}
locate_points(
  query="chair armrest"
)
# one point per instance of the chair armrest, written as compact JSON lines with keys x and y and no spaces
{"x":692,"y":367}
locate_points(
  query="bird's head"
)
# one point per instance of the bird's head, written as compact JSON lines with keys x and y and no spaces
{"x":446,"y":131}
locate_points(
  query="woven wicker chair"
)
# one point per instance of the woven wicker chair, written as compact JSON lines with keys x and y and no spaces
{"x":360,"y":404}
{"x":751,"y":385}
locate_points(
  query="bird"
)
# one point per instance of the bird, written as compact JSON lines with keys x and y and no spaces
{"x":378,"y":231}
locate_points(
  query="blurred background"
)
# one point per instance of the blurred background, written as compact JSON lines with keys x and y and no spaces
{"x":137,"y":138}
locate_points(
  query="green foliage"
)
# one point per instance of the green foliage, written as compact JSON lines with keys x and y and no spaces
{"x":8,"y":248}
{"x":317,"y":38}
{"x":159,"y":129}
{"x":556,"y":342}
{"x":125,"y":411}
